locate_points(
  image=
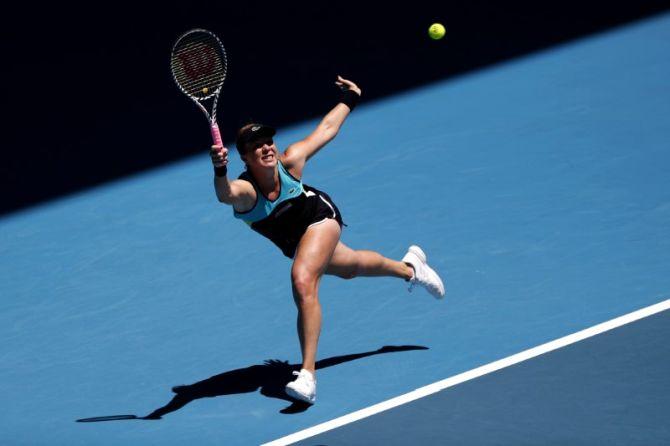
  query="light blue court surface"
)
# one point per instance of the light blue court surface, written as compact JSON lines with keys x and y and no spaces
{"x":539,"y":189}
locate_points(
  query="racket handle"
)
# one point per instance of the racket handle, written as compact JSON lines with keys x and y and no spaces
{"x":216,"y":134}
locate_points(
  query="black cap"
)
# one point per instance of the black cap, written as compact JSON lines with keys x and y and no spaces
{"x":251,"y":132}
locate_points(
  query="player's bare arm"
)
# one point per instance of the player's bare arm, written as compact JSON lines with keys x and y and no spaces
{"x":297,"y":154}
{"x":237,"y":193}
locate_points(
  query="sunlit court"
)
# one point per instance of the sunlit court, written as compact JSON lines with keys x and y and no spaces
{"x":142,"y":311}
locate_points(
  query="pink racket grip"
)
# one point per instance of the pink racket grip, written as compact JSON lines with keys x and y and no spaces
{"x":216,"y":134}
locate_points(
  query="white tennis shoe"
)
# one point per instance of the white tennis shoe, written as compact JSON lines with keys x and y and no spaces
{"x":424,"y":275}
{"x":303,"y":388}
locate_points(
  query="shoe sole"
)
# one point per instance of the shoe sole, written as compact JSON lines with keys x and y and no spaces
{"x":293,"y":394}
{"x":422,"y":256}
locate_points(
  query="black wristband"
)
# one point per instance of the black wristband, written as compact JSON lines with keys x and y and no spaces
{"x":350,"y":99}
{"x":221,"y":171}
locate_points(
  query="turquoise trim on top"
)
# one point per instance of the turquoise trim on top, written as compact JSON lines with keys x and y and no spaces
{"x":290,"y":188}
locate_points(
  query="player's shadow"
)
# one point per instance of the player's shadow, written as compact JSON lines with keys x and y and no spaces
{"x":270,"y":377}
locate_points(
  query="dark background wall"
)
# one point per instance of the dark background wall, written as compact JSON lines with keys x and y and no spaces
{"x":88,"y":96}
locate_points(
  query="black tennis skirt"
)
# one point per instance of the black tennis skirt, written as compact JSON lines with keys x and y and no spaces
{"x":288,"y":223}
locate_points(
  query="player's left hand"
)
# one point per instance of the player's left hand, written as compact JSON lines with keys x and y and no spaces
{"x":347,"y":85}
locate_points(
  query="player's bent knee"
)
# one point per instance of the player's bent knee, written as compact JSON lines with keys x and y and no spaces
{"x":304,"y":284}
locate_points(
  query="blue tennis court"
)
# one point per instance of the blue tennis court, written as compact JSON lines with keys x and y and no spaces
{"x":539,"y":189}
{"x":611,"y":389}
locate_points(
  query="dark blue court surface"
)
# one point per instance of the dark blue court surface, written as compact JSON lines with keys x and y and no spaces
{"x":538,"y":188}
{"x":611,"y":389}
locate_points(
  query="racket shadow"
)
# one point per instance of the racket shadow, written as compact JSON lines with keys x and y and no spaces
{"x":270,"y":377}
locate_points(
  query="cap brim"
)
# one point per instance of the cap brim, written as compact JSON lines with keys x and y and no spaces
{"x":250,"y":135}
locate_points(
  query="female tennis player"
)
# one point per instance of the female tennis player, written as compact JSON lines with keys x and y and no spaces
{"x":305,"y":224}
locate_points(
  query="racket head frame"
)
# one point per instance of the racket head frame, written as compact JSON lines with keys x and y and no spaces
{"x":215,"y":91}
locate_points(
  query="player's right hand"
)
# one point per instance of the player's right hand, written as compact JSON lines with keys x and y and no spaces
{"x":219,"y":155}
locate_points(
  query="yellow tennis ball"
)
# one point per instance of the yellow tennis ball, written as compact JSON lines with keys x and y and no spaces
{"x":436,"y":31}
{"x":205,"y":90}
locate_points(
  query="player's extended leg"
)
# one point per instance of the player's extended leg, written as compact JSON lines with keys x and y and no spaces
{"x":310,"y":261}
{"x":348,"y":263}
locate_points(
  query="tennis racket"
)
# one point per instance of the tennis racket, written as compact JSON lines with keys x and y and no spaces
{"x":199,"y":68}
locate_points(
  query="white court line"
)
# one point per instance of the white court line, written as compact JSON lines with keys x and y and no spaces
{"x":472,"y":374}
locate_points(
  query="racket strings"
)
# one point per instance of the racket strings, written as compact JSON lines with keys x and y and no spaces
{"x":195,"y":84}
{"x":199,"y":64}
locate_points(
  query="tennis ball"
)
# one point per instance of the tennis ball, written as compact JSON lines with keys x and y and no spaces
{"x":436,"y":31}
{"x":205,"y":90}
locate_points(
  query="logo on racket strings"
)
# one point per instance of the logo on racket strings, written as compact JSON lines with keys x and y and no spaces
{"x":198,"y":61}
